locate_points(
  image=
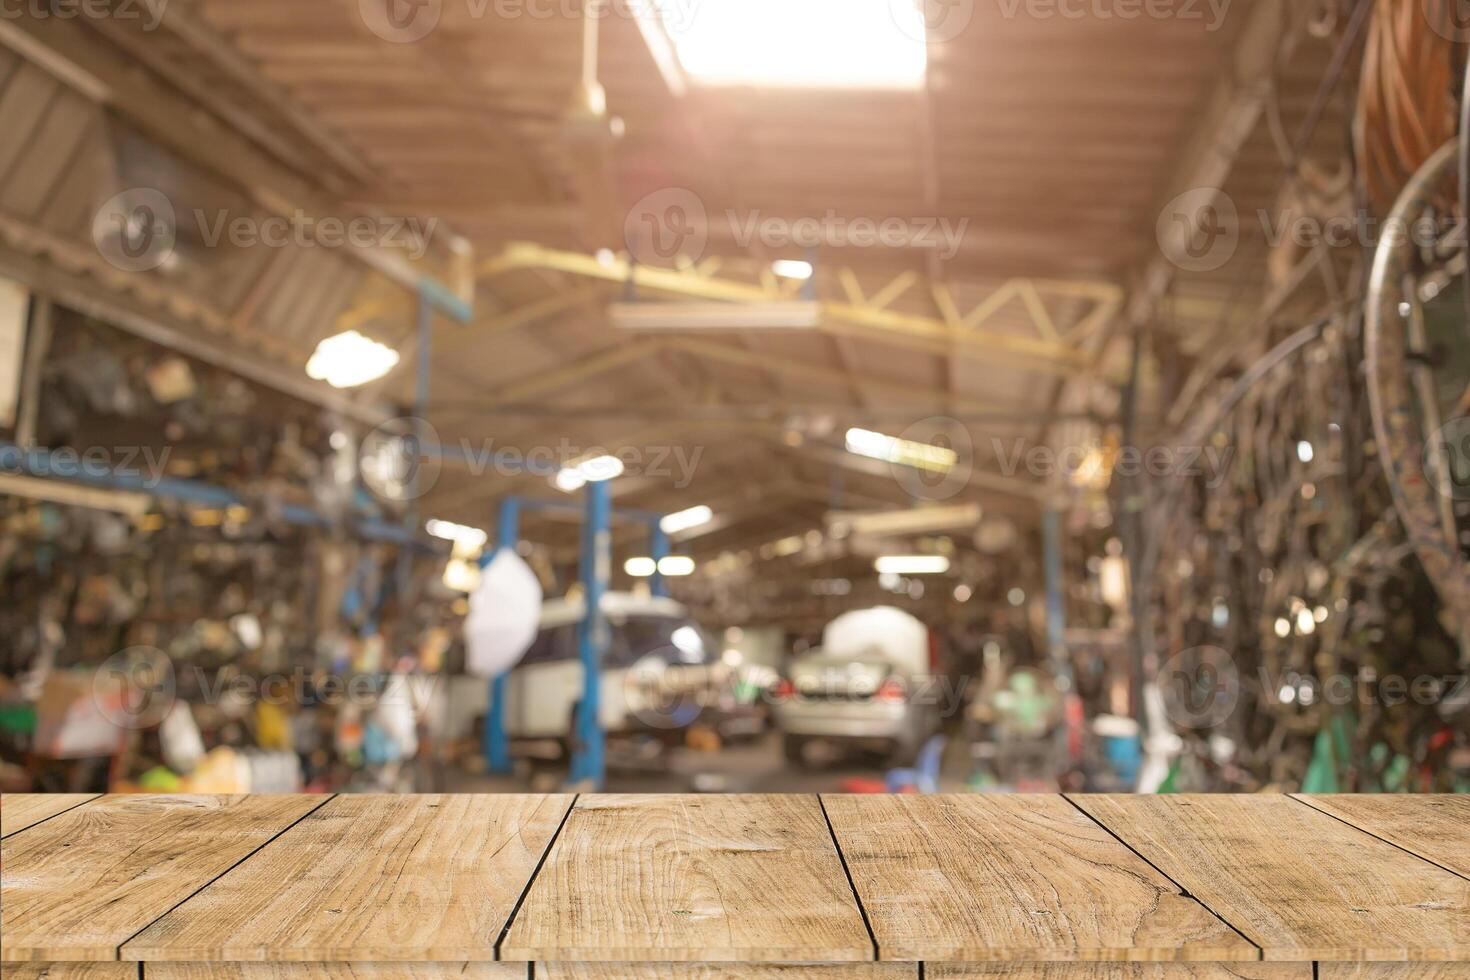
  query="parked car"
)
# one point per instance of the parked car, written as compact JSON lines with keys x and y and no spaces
{"x":863,"y":688}
{"x":659,"y":672}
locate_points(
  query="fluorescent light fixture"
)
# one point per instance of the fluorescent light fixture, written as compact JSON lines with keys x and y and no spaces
{"x":912,"y":565}
{"x":467,"y":538}
{"x":792,"y":269}
{"x":764,"y":315}
{"x":349,"y":359}
{"x":872,"y":44}
{"x":597,"y":469}
{"x":914,"y":520}
{"x":686,"y":520}
{"x":640,"y":567}
{"x":461,"y":575}
{"x":905,"y":452}
{"x":676,"y":566}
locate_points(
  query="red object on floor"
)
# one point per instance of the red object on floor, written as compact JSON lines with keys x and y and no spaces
{"x":860,"y":784}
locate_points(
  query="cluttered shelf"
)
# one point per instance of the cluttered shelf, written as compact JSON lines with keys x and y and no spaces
{"x":1197,"y":887}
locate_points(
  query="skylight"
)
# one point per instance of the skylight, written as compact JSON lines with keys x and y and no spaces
{"x":863,"y":44}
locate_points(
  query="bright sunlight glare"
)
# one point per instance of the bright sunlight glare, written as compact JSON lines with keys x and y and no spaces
{"x":872,"y":44}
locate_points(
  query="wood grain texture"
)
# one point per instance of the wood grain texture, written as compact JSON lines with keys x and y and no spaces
{"x":71,"y":971}
{"x":335,"y":971}
{"x":975,"y":878}
{"x":370,"y":878}
{"x":1395,"y":971}
{"x":21,"y":810}
{"x":1436,"y":828}
{"x":691,"y":878}
{"x":1298,"y":883}
{"x":1120,"y":971}
{"x":79,"y":885}
{"x":726,"y":971}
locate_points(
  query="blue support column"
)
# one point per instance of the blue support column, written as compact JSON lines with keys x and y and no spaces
{"x":658,"y":549}
{"x":588,"y":763}
{"x":496,"y":743}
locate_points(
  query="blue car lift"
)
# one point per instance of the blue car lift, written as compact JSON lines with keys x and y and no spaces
{"x":589,"y":758}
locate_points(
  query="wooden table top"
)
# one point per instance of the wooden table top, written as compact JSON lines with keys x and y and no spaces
{"x":724,"y":887}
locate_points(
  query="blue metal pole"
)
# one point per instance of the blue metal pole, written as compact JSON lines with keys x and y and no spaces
{"x":658,"y":548}
{"x":588,"y":763}
{"x":496,"y":742}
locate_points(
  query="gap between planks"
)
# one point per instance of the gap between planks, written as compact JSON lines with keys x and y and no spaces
{"x":535,"y":873}
{"x":1306,"y":800}
{"x":862,"y":909}
{"x":1260,"y":950}
{"x":327,"y":799}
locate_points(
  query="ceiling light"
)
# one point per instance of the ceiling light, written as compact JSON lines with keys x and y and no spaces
{"x":597,"y":469}
{"x":350,"y":359}
{"x":467,"y":538}
{"x":912,"y":565}
{"x":676,"y":566}
{"x":686,"y":520}
{"x":640,"y":567}
{"x":919,"y":455}
{"x":810,"y":44}
{"x":792,"y":269}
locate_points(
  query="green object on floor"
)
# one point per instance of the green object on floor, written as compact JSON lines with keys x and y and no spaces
{"x":18,"y":719}
{"x":160,"y":780}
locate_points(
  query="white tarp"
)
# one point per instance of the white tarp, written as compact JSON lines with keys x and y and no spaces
{"x":882,"y":631}
{"x":505,"y":612}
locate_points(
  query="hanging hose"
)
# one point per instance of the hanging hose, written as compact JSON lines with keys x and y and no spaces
{"x":1406,"y":107}
{"x":1395,"y":422}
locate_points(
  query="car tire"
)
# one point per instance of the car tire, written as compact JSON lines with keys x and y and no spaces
{"x":794,"y":748}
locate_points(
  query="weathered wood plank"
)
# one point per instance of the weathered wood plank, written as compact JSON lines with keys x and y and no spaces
{"x":974,"y":878}
{"x":79,"y":885}
{"x":335,"y":971}
{"x":1120,"y":971}
{"x":370,"y":878}
{"x":71,"y":971}
{"x":1296,"y":882}
{"x":726,"y":971}
{"x":1394,"y":971}
{"x":1436,"y":828}
{"x":21,"y":810}
{"x":691,"y":878}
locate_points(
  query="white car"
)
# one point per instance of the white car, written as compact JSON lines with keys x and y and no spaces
{"x":865,"y":687}
{"x":659,"y":672}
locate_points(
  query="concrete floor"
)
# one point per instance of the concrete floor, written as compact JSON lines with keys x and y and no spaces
{"x":756,"y":766}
